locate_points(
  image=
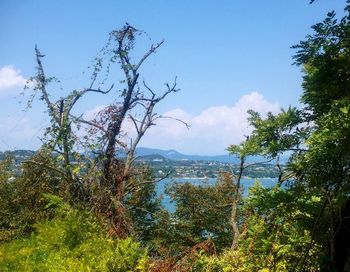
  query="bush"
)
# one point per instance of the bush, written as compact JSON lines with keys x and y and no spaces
{"x":72,"y":241}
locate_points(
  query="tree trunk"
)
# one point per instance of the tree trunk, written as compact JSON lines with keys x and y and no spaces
{"x":234,"y":226}
{"x":236,"y":198}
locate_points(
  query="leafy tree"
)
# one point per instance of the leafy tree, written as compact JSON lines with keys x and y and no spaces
{"x":247,"y":148}
{"x":202,"y":212}
{"x":143,"y":207}
{"x":22,"y":200}
{"x":276,"y":135}
{"x":276,"y":229}
{"x":242,"y":150}
{"x":318,"y":137}
{"x":325,"y":56}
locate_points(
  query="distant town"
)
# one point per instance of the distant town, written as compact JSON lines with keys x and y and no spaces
{"x":179,"y":168}
{"x":202,"y":169}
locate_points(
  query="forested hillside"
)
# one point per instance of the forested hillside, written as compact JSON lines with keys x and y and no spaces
{"x":64,"y":210}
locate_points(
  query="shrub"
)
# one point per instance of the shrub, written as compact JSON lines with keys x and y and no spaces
{"x":72,"y":241}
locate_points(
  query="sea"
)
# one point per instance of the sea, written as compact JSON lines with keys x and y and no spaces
{"x":245,"y":182}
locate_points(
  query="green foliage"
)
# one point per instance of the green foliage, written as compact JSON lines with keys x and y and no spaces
{"x":245,"y":149}
{"x":144,"y":207}
{"x":22,"y":201}
{"x":302,"y":223}
{"x":222,"y":263}
{"x":277,"y":133}
{"x":329,"y":147}
{"x":72,"y":241}
{"x":325,"y":56}
{"x":202,"y":211}
{"x":275,"y":236}
{"x":6,"y":195}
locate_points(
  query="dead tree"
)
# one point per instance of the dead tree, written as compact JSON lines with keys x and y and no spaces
{"x":147,"y":120}
{"x":134,"y":97}
{"x":60,"y":137}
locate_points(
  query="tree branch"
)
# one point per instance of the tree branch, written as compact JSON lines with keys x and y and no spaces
{"x":150,"y":51}
{"x":173,"y":118}
{"x":255,"y":163}
{"x":42,"y":81}
{"x":46,"y":166}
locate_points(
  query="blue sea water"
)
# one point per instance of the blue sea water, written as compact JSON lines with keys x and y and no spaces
{"x":246,"y":183}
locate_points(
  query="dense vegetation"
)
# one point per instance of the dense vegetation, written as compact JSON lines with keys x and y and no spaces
{"x":64,"y":211}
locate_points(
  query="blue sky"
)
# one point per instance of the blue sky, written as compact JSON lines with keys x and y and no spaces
{"x":228,"y":56}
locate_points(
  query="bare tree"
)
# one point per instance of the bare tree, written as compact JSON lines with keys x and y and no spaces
{"x":60,"y":137}
{"x":134,"y":97}
{"x":135,"y":102}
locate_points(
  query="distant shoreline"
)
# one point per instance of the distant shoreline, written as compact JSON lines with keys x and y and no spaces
{"x":244,"y":177}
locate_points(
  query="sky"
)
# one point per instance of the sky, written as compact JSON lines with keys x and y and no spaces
{"x":228,"y":57}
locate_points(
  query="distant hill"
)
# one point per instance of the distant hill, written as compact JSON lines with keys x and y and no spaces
{"x":153,"y":154}
{"x":153,"y":158}
{"x":177,"y":156}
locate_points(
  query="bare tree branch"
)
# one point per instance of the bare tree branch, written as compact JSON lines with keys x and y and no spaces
{"x":42,"y":82}
{"x":138,"y":185}
{"x":260,"y":162}
{"x":98,"y":90}
{"x":80,"y":94}
{"x":90,"y":123}
{"x":150,"y":51}
{"x":173,"y":118}
{"x":46,"y":166}
{"x":135,"y":123}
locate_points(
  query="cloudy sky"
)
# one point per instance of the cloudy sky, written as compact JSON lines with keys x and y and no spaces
{"x":228,"y":56}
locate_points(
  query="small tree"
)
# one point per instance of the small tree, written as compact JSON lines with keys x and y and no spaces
{"x":243,"y":151}
{"x":59,"y":136}
{"x":279,"y":134}
{"x":134,"y":97}
{"x":202,"y":212}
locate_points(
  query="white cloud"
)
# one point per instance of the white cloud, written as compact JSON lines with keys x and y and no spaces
{"x":212,"y":130}
{"x":19,"y":133}
{"x":10,"y":78}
